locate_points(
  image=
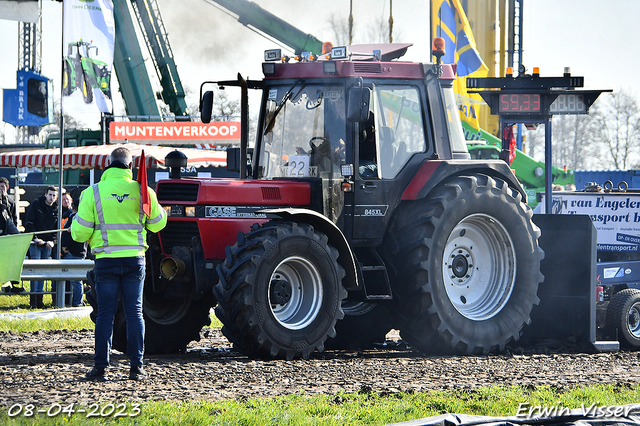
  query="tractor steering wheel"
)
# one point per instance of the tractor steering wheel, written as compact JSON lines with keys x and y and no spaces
{"x":322,"y":140}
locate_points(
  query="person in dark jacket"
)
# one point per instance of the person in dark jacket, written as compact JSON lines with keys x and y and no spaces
{"x":7,"y":226}
{"x":72,"y":249}
{"x":42,"y":215}
{"x":6,"y":201}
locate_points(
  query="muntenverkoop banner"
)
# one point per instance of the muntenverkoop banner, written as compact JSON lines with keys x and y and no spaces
{"x":88,"y":39}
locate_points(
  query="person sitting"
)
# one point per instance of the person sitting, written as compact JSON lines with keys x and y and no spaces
{"x":368,"y":166}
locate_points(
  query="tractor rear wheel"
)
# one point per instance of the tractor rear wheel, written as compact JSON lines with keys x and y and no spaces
{"x":170,"y":325}
{"x":66,"y":79}
{"x":623,"y":314}
{"x":280,"y":291}
{"x":465,"y":266}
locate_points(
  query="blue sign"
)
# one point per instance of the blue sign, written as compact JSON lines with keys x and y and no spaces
{"x":29,"y":104}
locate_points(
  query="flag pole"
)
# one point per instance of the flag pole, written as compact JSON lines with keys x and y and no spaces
{"x":60,"y":159}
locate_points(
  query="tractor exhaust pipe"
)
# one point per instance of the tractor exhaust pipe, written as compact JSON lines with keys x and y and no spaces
{"x":171,"y":268}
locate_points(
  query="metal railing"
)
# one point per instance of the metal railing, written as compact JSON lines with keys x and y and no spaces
{"x":55,"y":270}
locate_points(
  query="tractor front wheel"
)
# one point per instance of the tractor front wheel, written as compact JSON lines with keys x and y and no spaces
{"x":280,"y":291}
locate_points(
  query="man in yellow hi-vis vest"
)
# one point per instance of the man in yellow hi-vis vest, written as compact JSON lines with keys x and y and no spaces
{"x":111,"y":217}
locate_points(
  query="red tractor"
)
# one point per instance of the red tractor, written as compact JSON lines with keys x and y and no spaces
{"x":359,"y":211}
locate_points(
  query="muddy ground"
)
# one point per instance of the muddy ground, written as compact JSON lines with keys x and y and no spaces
{"x":44,"y":368}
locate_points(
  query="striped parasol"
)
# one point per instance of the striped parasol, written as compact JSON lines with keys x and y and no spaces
{"x":97,"y":157}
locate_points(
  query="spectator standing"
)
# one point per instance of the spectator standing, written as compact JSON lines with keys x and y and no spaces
{"x":6,"y":201}
{"x":42,"y":215}
{"x":73,"y":250}
{"x":110,"y":216}
{"x":67,"y":203}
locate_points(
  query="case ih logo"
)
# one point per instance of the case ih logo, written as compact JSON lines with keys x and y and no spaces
{"x":234,"y":212}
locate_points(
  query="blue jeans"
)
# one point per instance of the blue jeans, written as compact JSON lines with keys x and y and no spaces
{"x":39,"y":252}
{"x":76,"y":286}
{"x":127,"y":279}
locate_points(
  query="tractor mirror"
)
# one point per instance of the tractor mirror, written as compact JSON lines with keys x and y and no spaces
{"x":206,"y":106}
{"x":359,"y":98}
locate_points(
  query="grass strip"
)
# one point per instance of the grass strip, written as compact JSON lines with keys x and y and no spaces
{"x":362,"y":408}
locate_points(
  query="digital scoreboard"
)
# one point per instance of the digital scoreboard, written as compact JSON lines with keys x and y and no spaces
{"x":539,"y":103}
{"x":532,"y":97}
{"x":511,"y":103}
{"x":519,"y":103}
{"x":571,"y":103}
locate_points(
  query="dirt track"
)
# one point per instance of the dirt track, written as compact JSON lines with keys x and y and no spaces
{"x":44,"y":368}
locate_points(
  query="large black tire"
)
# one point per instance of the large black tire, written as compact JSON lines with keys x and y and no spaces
{"x":465,"y":266}
{"x":170,"y":325}
{"x":364,"y":324}
{"x":280,"y":291}
{"x":623,"y":314}
{"x":66,"y":79}
{"x":87,"y":91}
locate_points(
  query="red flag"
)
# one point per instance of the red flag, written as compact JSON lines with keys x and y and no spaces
{"x":509,"y":138}
{"x":144,"y":189}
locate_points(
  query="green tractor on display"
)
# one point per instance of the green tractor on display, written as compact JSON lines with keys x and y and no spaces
{"x":85,"y":73}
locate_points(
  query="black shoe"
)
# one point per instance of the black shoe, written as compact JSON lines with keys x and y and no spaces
{"x":96,"y":373}
{"x":137,"y":372}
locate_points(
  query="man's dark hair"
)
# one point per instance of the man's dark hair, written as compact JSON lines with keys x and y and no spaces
{"x":120,"y":155}
{"x":4,"y":180}
{"x":51,"y":188}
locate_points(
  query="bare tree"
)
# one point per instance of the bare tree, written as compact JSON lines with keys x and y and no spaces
{"x":225,"y":109}
{"x":340,"y":28}
{"x":618,"y":120}
{"x":535,"y":143}
{"x":378,"y":31}
{"x":574,"y":144}
{"x":375,"y":31}
{"x":69,"y":121}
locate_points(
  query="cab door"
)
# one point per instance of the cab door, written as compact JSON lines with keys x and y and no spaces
{"x":386,"y":143}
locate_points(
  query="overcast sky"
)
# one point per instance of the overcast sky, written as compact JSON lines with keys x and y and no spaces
{"x":594,"y":38}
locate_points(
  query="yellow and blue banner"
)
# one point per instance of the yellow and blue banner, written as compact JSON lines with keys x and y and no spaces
{"x":449,"y":21}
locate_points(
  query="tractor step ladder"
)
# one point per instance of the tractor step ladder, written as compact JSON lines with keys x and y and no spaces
{"x":375,"y":276}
